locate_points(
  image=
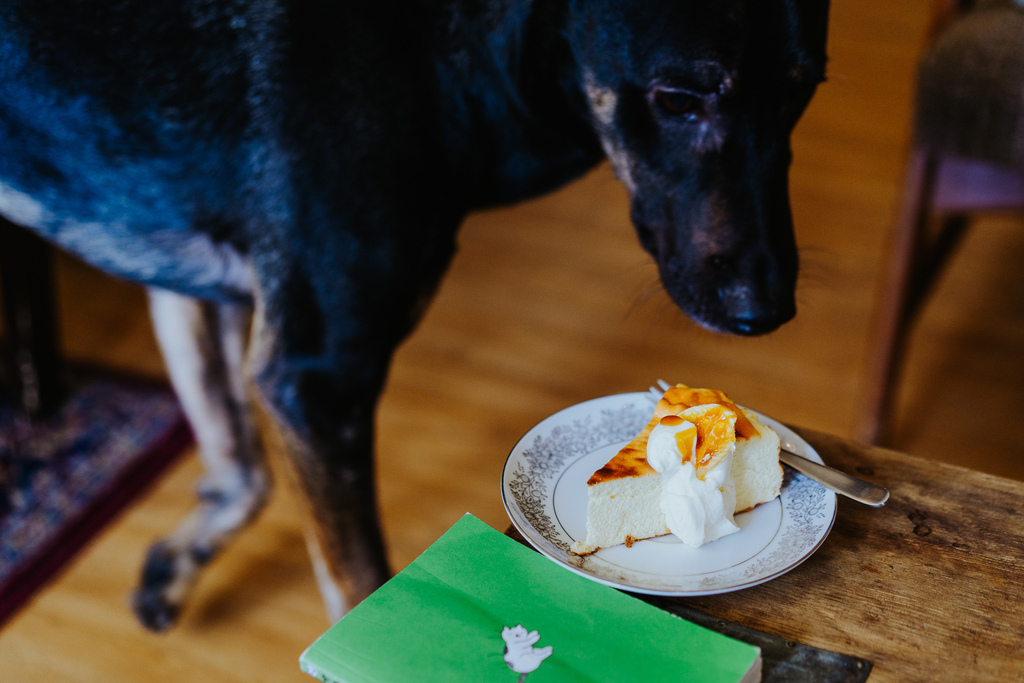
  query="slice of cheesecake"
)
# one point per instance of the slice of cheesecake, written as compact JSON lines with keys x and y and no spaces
{"x":624,"y":497}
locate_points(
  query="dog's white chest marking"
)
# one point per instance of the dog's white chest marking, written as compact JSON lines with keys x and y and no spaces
{"x":20,"y":208}
{"x":175,"y":259}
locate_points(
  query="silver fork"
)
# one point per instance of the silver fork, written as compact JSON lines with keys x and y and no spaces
{"x":840,"y":482}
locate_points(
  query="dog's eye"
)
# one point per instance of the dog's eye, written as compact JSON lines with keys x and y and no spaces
{"x":679,"y":102}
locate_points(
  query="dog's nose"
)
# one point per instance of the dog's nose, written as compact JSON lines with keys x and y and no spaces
{"x":750,"y":313}
{"x":753,"y":326}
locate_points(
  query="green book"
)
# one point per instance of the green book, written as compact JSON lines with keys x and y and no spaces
{"x":478,"y":606}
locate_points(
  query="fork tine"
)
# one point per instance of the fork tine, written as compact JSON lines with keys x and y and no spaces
{"x":655,"y":394}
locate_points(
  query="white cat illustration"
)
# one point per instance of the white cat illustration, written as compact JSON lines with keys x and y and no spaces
{"x":520,"y":655}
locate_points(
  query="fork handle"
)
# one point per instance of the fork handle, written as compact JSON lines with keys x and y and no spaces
{"x":840,"y":482}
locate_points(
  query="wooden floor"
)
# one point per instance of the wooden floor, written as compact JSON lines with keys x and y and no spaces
{"x":548,"y":304}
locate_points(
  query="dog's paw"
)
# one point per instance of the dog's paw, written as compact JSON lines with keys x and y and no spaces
{"x":153,"y":610}
{"x":150,"y":602}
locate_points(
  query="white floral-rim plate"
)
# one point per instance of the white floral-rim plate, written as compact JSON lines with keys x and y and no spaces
{"x":544,"y":490}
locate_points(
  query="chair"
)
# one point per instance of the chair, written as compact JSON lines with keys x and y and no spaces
{"x":967,"y":157}
{"x":31,"y":359}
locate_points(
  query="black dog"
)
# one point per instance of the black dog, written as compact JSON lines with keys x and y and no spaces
{"x":310,"y":161}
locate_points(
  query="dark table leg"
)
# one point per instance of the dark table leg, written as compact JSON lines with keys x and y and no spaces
{"x":26,"y":283}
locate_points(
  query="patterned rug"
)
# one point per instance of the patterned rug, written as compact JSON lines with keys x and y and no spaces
{"x":64,"y":478}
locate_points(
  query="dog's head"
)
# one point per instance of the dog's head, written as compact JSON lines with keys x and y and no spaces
{"x":694,"y":102}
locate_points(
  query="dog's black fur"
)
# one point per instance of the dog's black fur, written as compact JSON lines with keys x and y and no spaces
{"x":313,"y":159}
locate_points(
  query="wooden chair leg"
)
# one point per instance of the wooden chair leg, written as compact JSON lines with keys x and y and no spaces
{"x":26,"y":281}
{"x":933,"y":261}
{"x":889,"y":338}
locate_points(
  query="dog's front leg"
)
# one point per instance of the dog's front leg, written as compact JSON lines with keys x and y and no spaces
{"x":204,"y":348}
{"x":321,"y":386}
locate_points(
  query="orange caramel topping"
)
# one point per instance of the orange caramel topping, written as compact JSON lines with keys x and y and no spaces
{"x":682,"y":397}
{"x":715,"y":432}
{"x":631,"y":461}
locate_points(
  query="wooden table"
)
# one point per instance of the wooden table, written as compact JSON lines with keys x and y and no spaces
{"x":928,"y":588}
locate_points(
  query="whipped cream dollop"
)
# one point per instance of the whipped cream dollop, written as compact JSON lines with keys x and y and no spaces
{"x":696,"y":510}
